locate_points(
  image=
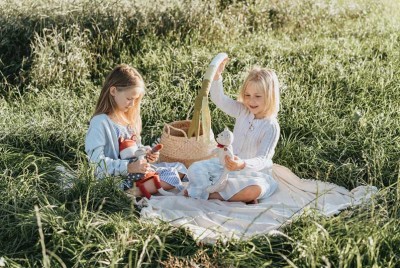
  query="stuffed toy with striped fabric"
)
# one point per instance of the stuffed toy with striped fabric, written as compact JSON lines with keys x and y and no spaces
{"x":129,"y":150}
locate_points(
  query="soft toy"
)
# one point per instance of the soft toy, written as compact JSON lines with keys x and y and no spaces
{"x":224,"y":148}
{"x":130,"y":150}
{"x":127,"y":147}
{"x":141,"y":152}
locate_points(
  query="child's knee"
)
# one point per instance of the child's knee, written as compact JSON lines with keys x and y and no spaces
{"x":248,"y":194}
{"x":253,"y":191}
{"x":257,"y":190}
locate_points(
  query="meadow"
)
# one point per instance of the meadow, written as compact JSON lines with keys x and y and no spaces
{"x":338,"y":64}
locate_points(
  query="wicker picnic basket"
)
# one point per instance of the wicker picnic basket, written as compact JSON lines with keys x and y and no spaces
{"x":189,"y":141}
{"x":178,"y":147}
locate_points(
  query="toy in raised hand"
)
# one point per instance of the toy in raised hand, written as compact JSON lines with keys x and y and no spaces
{"x":224,"y":148}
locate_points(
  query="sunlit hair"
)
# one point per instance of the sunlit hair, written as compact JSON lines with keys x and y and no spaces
{"x":123,"y":77}
{"x":265,"y":81}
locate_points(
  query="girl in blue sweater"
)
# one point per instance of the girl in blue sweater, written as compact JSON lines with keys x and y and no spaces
{"x":116,"y":117}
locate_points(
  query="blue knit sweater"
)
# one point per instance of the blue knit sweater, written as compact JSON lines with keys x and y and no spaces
{"x":101,"y":146}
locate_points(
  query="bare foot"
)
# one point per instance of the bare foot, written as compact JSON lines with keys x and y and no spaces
{"x":185,"y":193}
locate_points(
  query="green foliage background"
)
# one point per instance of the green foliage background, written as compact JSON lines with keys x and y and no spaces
{"x":338,"y":63}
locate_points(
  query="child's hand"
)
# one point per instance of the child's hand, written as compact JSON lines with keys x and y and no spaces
{"x":154,"y":153}
{"x":140,"y":166}
{"x":152,"y":156}
{"x":220,"y":69}
{"x":234,"y":164}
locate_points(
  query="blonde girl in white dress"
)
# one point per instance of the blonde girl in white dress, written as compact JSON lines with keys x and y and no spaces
{"x":256,"y":134}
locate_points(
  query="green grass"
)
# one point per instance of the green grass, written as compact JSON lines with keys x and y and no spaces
{"x":337,"y":62}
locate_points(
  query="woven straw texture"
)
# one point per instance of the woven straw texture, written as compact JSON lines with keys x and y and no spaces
{"x":179,"y":148}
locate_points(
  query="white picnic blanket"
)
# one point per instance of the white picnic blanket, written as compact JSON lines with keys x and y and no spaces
{"x":212,"y":220}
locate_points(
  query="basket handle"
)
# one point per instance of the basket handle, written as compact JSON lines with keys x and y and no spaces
{"x":168,"y":127}
{"x":201,"y":114}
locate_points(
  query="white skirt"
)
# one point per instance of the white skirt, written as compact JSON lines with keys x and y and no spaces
{"x":204,"y":173}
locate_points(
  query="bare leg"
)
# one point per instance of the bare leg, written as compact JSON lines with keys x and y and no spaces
{"x":248,"y":194}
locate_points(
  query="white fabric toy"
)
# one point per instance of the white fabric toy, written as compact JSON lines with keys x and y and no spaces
{"x":130,"y":150}
{"x":224,"y":148}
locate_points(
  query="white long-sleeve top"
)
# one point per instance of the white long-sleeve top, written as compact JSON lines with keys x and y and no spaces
{"x":254,"y":139}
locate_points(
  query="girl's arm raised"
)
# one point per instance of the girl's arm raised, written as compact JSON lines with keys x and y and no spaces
{"x":223,"y":102}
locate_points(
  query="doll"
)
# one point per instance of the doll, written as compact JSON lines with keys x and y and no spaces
{"x":224,"y":148}
{"x":130,"y":150}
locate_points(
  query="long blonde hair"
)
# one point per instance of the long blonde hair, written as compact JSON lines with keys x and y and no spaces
{"x":122,"y":77}
{"x":266,"y":81}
